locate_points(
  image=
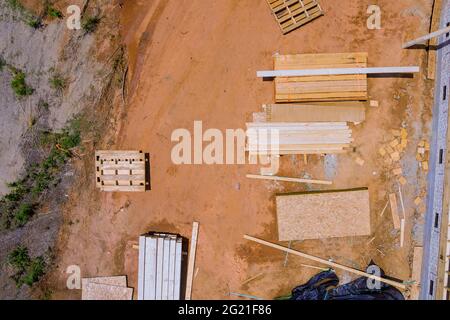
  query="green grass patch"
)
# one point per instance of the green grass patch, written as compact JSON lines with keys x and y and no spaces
{"x":18,"y":206}
{"x":19,"y":85}
{"x":2,"y":63}
{"x":57,"y":82}
{"x":34,"y":22}
{"x":53,"y":12}
{"x":27,"y":270}
{"x":15,"y":5}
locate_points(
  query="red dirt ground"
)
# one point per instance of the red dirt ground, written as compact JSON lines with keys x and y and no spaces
{"x":190,"y":61}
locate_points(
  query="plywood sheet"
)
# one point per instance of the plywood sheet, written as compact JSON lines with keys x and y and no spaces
{"x":318,"y":215}
{"x":96,"y":291}
{"x":120,"y":281}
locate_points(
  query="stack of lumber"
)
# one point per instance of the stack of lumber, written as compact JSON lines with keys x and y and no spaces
{"x":298,"y":138}
{"x":159,"y":275}
{"x":318,"y":215}
{"x":322,"y":87}
{"x":292,"y":14}
{"x":122,"y":171}
{"x":325,"y":112}
{"x":106,"y":288}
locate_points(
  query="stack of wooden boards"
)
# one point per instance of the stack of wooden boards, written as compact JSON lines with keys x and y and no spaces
{"x":122,"y":171}
{"x":352,"y":111}
{"x":298,"y":138}
{"x":159,"y":275}
{"x":323,"y":87}
{"x":323,"y":214}
{"x":106,"y":288}
{"x":291,"y":14}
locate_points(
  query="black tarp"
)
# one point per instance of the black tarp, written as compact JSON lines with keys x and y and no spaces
{"x":324,"y":286}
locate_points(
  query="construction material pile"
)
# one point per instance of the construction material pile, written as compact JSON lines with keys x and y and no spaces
{"x":159,"y":276}
{"x":298,"y":138}
{"x":322,"y":87}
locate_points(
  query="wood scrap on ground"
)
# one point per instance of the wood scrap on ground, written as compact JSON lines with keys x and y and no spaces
{"x":416,"y":272}
{"x":328,"y":214}
{"x":334,"y":265}
{"x":287,"y":179}
{"x":191,"y":261}
{"x":394,"y":210}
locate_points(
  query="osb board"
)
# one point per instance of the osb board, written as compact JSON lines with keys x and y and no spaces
{"x":97,"y":291}
{"x":314,"y":113}
{"x":318,"y":215}
{"x":120,"y":281}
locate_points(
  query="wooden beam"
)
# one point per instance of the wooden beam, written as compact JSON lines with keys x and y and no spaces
{"x":337,"y":71}
{"x":394,"y":210}
{"x":191,"y":262}
{"x":286,"y":179}
{"x":426,"y":37}
{"x":432,"y":52}
{"x":326,"y":262}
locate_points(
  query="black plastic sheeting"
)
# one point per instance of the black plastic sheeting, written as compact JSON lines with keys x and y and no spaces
{"x":324,"y":286}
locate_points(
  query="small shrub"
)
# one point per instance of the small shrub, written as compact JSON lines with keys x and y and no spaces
{"x":53,"y":12}
{"x":21,"y":89}
{"x":57,"y":82}
{"x":90,"y":24}
{"x":27,"y":270}
{"x":2,"y":63}
{"x":23,"y":214}
{"x":35,"y":271}
{"x":15,"y":4}
{"x":19,"y":258}
{"x":34,"y":22}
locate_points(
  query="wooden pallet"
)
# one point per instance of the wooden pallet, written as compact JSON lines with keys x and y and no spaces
{"x":321,"y":88}
{"x":122,"y":171}
{"x":292,"y":14}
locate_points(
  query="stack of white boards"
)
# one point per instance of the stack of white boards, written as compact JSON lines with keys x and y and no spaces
{"x":106,"y":288}
{"x":264,"y":138}
{"x":159,"y":275}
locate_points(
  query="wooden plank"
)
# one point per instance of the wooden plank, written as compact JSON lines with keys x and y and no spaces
{"x":338,"y":71}
{"x":151,"y":247}
{"x":286,"y":179}
{"x":172,"y":260}
{"x":191,"y":262}
{"x":432,"y":50}
{"x":427,"y":37}
{"x":159,"y":268}
{"x":416,"y":272}
{"x":313,"y":113}
{"x":141,"y":268}
{"x":326,"y":262}
{"x":324,"y":214}
{"x":394,"y":210}
{"x":178,"y":256}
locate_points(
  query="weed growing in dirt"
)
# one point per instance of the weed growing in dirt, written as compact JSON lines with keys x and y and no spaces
{"x":18,"y":84}
{"x":90,"y":24}
{"x":15,"y":4}
{"x":53,"y":12}
{"x":2,"y":63}
{"x":57,"y":82}
{"x":27,"y":270}
{"x":34,"y":22}
{"x":18,"y":206}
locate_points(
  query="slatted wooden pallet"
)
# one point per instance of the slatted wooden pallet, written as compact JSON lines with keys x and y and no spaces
{"x":292,"y":14}
{"x":320,"y":88}
{"x":122,"y":171}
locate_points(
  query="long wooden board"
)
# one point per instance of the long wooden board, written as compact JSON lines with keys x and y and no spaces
{"x":324,"y":214}
{"x":314,"y":113}
{"x":394,"y":211}
{"x":191,"y":261}
{"x":432,"y":50}
{"x":286,"y":179}
{"x":326,"y":262}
